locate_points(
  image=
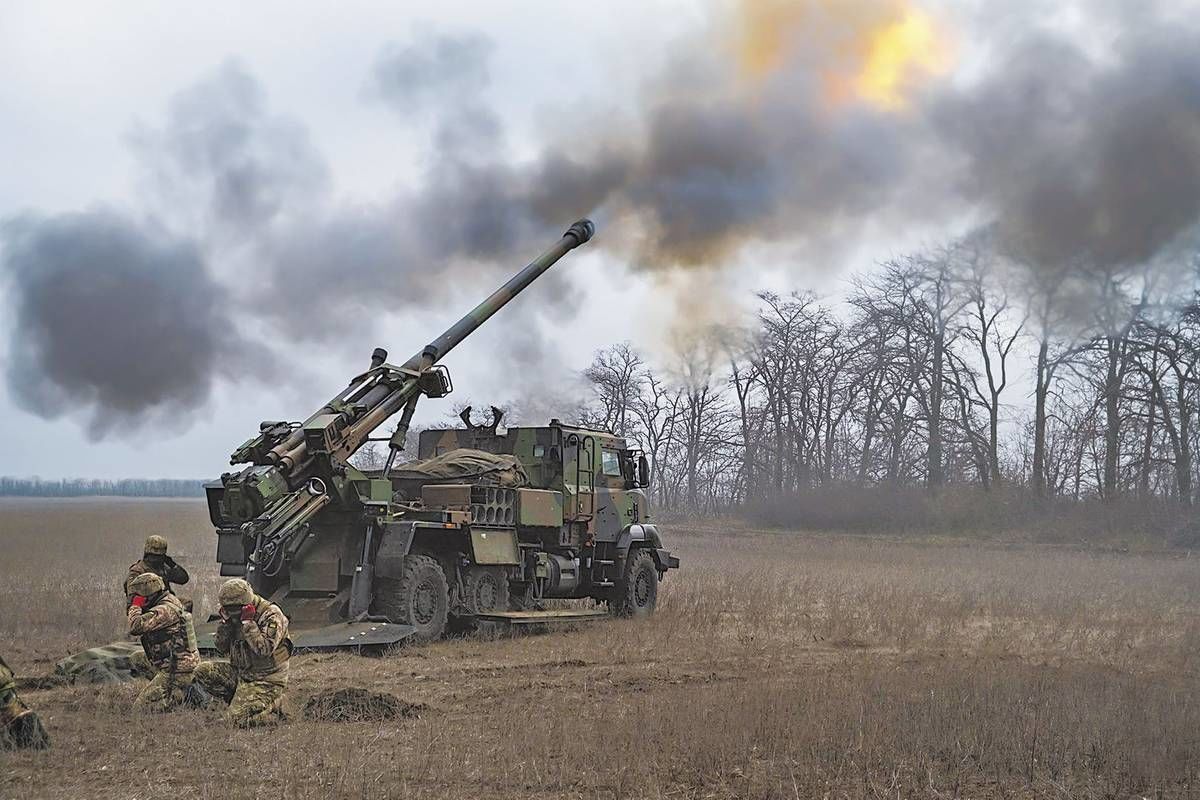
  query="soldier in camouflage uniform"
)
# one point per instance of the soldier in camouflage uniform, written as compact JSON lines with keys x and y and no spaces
{"x":168,"y":640}
{"x":253,"y":633}
{"x":155,"y":559}
{"x":19,"y":726}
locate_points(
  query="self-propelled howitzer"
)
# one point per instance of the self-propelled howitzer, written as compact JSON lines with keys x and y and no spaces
{"x":332,"y":542}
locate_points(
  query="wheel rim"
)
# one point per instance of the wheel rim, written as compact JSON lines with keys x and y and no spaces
{"x":642,"y":589}
{"x":425,"y":603}
{"x":485,"y":595}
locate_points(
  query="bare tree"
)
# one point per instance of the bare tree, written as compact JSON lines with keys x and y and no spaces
{"x":616,"y":375}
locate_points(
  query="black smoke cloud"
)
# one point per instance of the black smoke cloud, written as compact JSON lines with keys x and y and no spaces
{"x":113,"y":321}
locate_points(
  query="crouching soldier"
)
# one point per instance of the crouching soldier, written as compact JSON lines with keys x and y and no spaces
{"x":253,"y":633}
{"x":169,"y":642}
{"x":19,"y":727}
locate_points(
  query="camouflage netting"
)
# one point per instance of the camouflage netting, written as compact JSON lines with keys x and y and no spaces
{"x":111,"y":663}
{"x":359,"y":705}
{"x":465,"y":466}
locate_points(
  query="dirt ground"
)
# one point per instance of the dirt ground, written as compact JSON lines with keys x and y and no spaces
{"x":779,"y":665}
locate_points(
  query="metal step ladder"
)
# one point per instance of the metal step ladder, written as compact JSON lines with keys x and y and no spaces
{"x":604,"y":565}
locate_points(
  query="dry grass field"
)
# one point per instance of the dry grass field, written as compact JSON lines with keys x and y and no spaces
{"x":779,"y":665}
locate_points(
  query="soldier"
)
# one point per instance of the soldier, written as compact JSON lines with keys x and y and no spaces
{"x":253,"y":633}
{"x":168,"y":640}
{"x":19,"y":726}
{"x":155,"y":559}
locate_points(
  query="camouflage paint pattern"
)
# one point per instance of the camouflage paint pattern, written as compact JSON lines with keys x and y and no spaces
{"x":11,"y":706}
{"x":166,"y":569}
{"x":257,"y":647}
{"x":293,"y":548}
{"x":252,"y":700}
{"x":166,"y":691}
{"x":594,"y":494}
{"x":167,"y":635}
{"x":19,"y":726}
{"x":285,"y":456}
{"x":117,"y":662}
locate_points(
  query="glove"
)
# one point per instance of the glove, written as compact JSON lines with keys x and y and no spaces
{"x":248,"y":612}
{"x":138,"y":601}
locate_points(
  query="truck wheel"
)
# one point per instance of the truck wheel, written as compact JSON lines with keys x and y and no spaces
{"x":419,"y":597}
{"x":637,"y":592}
{"x":487,"y":589}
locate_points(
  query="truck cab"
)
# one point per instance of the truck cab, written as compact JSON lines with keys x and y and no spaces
{"x":601,"y":480}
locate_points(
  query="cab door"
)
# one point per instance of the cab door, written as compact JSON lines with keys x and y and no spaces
{"x":579,"y":477}
{"x":614,"y":504}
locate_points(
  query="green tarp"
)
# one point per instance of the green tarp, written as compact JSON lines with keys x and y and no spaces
{"x":466,"y":466}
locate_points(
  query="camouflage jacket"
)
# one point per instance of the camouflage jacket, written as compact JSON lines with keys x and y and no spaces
{"x":259,"y":646}
{"x":167,"y":634}
{"x":169,"y":571}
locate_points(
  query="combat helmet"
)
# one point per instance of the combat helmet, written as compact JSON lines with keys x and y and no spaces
{"x":148,"y":584}
{"x":235,"y":592}
{"x":155,"y":545}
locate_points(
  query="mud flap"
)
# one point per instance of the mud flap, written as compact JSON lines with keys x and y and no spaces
{"x":663,"y":560}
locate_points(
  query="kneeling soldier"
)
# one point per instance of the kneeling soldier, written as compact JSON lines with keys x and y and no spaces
{"x":253,"y":633}
{"x":168,"y":639}
{"x":19,"y":727}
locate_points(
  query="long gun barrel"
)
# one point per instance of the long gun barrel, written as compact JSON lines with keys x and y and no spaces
{"x":576,"y":235}
{"x":385,"y":399}
{"x":296,"y":467}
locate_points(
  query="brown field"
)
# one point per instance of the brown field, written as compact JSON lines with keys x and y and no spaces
{"x":779,"y":665}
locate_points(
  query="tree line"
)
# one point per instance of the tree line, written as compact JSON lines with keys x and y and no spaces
{"x":956,"y":367}
{"x":94,"y":487}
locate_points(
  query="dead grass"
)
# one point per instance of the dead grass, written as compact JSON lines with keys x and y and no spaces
{"x":779,"y":665}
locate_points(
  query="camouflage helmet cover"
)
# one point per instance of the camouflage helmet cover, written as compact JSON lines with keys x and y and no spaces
{"x":235,"y":592}
{"x":147,"y":584}
{"x":155,"y":545}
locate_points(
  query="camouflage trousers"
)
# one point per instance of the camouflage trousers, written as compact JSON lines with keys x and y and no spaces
{"x":140,"y":663}
{"x":254,"y":700}
{"x":164,"y":693}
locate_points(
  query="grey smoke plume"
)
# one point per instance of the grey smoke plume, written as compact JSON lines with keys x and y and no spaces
{"x":1065,"y":152}
{"x":1082,"y":161}
{"x":433,"y":71}
{"x":1073,"y":153}
{"x":224,"y":160}
{"x":113,"y":321}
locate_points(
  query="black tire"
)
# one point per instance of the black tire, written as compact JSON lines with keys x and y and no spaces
{"x":486,"y":589}
{"x":419,"y":597}
{"x":636,"y":594}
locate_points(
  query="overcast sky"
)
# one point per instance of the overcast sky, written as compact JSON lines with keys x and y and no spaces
{"x":79,"y":80}
{"x":212,"y":216}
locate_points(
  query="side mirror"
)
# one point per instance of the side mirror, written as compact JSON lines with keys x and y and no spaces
{"x":643,"y":471}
